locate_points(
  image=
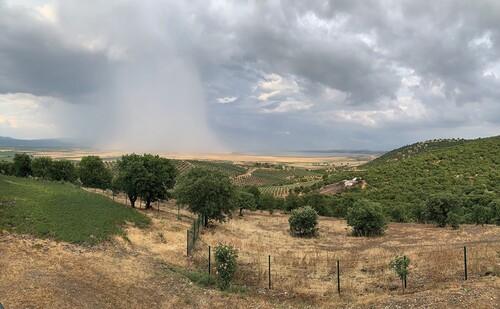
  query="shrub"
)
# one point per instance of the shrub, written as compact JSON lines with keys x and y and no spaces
{"x":453,"y":219}
{"x":304,"y":221}
{"x":366,"y":218}
{"x":495,"y":210}
{"x":400,"y":266}
{"x":482,"y":214}
{"x":439,"y":207}
{"x":225,"y":264}
{"x":6,"y":168}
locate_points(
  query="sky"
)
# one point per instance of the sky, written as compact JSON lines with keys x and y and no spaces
{"x":213,"y":76}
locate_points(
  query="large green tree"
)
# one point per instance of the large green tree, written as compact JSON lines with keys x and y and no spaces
{"x":21,"y":165}
{"x":40,"y":167}
{"x":158,"y":180}
{"x":149,"y":177}
{"x":62,"y":170}
{"x":130,"y":175}
{"x":442,"y":208}
{"x":93,"y":173}
{"x":208,"y":193}
{"x":244,"y":200}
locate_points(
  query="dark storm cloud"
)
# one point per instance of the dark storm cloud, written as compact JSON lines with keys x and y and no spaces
{"x":36,"y":58}
{"x":248,"y":71}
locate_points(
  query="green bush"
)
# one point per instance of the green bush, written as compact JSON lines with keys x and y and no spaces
{"x":495,"y":210}
{"x":304,"y":221}
{"x":40,"y":167}
{"x":453,"y":219}
{"x":21,"y":165}
{"x":62,"y":170}
{"x":6,"y":168}
{"x":366,"y":218}
{"x":442,"y":209}
{"x":400,"y":265}
{"x":225,"y":264}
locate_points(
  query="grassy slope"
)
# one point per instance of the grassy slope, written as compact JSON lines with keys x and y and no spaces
{"x":61,"y":211}
{"x":470,"y":169}
{"x":409,"y":151}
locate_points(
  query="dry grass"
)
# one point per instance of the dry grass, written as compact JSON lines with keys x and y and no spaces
{"x":307,"y":267}
{"x":130,"y":272}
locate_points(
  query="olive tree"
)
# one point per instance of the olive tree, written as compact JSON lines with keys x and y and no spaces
{"x":366,"y":218}
{"x":244,"y":200}
{"x":159,"y":178}
{"x":93,"y":173}
{"x":304,"y":221}
{"x":208,"y":193}
{"x":442,"y":209}
{"x":62,"y":170}
{"x":149,"y":177}
{"x":40,"y":167}
{"x":21,"y":165}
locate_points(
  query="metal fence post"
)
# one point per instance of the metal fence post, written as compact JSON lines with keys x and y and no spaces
{"x":404,"y":259}
{"x":269,"y":270}
{"x":338,"y":276}
{"x":465,"y":262}
{"x":187,"y":243}
{"x":209,"y":269}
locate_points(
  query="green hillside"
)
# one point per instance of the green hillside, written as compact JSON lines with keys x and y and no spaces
{"x":470,"y":170}
{"x":61,"y":211}
{"x":412,"y":150}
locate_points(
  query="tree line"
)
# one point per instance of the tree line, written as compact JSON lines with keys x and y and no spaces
{"x":399,"y":196}
{"x":149,"y":177}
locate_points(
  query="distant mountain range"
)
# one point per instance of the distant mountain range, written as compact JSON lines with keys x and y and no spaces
{"x":34,"y":143}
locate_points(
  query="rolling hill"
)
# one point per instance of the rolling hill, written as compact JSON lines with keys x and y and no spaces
{"x":467,"y":169}
{"x":409,"y":151}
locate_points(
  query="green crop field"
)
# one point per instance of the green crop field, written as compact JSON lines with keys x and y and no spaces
{"x":284,"y":190}
{"x":61,"y":211}
{"x":275,"y":177}
{"x":7,"y":155}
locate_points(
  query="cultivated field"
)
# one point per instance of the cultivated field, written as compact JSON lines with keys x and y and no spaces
{"x":276,"y":175}
{"x":304,"y":162}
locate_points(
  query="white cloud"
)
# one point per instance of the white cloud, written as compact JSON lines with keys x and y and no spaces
{"x":24,"y":115}
{"x":48,"y":12}
{"x":266,"y":96}
{"x":288,"y":106}
{"x":403,"y":110}
{"x":275,"y":85}
{"x":226,"y":100}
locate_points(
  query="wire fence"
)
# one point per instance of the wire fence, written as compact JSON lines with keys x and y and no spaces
{"x":317,"y":272}
{"x":193,"y":233}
